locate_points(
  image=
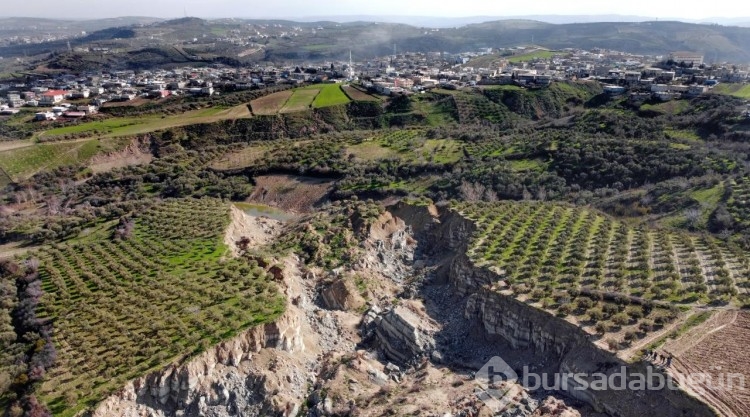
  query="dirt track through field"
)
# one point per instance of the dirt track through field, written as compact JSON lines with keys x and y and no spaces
{"x":716,"y":349}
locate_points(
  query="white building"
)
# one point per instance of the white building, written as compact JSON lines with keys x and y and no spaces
{"x":52,"y":97}
{"x":687,"y":57}
{"x":42,"y":116}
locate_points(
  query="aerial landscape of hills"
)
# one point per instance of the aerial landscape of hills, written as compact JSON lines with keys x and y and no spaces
{"x":371,"y":39}
{"x":337,"y":217}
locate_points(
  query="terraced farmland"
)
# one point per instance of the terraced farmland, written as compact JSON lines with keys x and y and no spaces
{"x":124,"y":306}
{"x":600,"y":272}
{"x":330,"y":95}
{"x":300,"y":100}
{"x":357,"y":95}
{"x":23,"y":162}
{"x":270,"y":104}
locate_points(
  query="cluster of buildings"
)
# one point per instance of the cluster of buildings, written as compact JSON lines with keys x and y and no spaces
{"x":679,"y":74}
{"x":676,"y":75}
{"x":76,"y":96}
{"x":80,"y":95}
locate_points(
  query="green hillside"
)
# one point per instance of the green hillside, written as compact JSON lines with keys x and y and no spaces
{"x":163,"y":291}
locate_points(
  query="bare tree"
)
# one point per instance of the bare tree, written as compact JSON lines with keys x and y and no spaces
{"x":692,"y":216}
{"x":472,"y":191}
{"x":541,"y":195}
{"x":53,"y":205}
{"x":526,"y":194}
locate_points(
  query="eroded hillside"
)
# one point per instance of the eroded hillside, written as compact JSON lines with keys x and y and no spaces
{"x":263,"y":265}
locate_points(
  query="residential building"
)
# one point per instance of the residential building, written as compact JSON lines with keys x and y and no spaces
{"x":51,"y":97}
{"x":42,"y":116}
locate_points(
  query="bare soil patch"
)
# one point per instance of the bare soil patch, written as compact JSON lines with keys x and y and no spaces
{"x":718,"y":350}
{"x":270,"y":104}
{"x":290,"y":193}
{"x":357,"y":95}
{"x":133,"y":154}
{"x":260,"y":230}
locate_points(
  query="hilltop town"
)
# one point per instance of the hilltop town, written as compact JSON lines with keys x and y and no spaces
{"x":671,"y":76}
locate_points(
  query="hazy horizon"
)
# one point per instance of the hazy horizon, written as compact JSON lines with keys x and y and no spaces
{"x":303,"y":10}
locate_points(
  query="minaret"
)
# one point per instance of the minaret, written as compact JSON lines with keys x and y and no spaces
{"x":351,"y":66}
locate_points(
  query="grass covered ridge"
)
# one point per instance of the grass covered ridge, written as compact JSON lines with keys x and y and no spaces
{"x":737,"y":90}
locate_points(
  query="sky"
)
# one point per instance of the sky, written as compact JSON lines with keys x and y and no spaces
{"x":85,"y":9}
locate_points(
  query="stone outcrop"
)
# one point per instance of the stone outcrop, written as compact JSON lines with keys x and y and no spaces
{"x":342,"y":294}
{"x":553,"y":407}
{"x":402,"y":334}
{"x":521,"y":326}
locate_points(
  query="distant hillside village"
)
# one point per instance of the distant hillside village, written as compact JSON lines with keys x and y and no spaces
{"x":665,"y":78}
{"x":676,"y":75}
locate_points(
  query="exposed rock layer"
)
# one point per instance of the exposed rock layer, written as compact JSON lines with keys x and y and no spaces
{"x":267,"y":370}
{"x":225,"y":380}
{"x":524,"y":327}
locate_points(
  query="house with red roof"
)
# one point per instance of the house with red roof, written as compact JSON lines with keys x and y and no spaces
{"x":52,"y":97}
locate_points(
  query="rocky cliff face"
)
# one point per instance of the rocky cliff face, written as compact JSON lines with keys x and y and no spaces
{"x":545,"y":337}
{"x":411,"y":353}
{"x":228,"y":379}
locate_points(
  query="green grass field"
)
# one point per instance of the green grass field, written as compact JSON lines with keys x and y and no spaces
{"x":685,"y":135}
{"x":125,"y":126}
{"x":409,"y":146}
{"x":300,"y":100}
{"x":123,"y":307}
{"x":737,"y":90}
{"x":23,"y":162}
{"x":330,"y":95}
{"x":104,"y":126}
{"x":670,"y":107}
{"x":531,"y":56}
